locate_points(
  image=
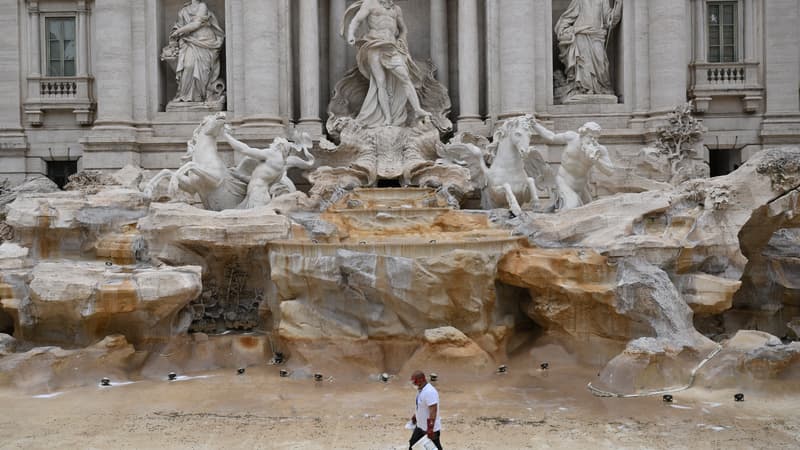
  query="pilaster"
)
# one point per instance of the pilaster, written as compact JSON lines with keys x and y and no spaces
{"x":13,"y":144}
{"x":782,"y":78}
{"x":111,"y":144}
{"x":516,"y":57}
{"x":669,"y":54}
{"x":262,"y":68}
{"x":469,"y":118}
{"x":309,"y":69}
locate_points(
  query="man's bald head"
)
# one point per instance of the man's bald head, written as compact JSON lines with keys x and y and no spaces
{"x":418,"y":378}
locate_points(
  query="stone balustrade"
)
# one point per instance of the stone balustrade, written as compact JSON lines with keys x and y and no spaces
{"x":52,"y":93}
{"x":741,"y":80}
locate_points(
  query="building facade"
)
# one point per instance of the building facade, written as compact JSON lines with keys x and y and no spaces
{"x":84,"y":86}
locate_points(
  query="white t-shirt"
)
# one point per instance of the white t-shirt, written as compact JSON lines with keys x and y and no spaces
{"x":426,"y":397}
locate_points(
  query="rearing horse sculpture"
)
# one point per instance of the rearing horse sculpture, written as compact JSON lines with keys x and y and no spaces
{"x":205,"y":174}
{"x":508,"y":180}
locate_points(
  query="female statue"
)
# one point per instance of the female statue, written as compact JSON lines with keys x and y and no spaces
{"x":200,"y":40}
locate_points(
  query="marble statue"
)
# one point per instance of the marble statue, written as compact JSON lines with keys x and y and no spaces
{"x":387,"y":114}
{"x":205,"y":173}
{"x":582,"y":32}
{"x":582,"y":152}
{"x":509,"y":180}
{"x":383,"y":58}
{"x":386,"y":87}
{"x":193,"y":52}
{"x":269,"y":179}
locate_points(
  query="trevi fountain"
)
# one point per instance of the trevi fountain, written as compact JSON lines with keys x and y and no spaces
{"x":278,"y":294}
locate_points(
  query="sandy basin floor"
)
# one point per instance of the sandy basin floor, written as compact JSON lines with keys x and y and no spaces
{"x":522,"y":409}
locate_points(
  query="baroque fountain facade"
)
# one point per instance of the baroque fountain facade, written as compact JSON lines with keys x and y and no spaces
{"x":393,"y":241}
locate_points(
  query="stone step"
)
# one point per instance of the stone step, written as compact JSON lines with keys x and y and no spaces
{"x":404,"y":248}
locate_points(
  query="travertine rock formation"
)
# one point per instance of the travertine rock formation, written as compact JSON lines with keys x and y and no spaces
{"x":79,"y":303}
{"x":179,"y":224}
{"x":753,"y":359}
{"x":383,"y":276}
{"x":36,"y":185}
{"x":72,"y":224}
{"x":55,"y":368}
{"x":447,"y":350}
{"x":629,"y":266}
{"x":8,"y":344}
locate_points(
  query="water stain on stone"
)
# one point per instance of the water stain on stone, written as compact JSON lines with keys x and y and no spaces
{"x":249,"y":342}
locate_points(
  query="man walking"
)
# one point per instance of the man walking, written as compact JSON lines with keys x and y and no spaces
{"x":426,"y":418}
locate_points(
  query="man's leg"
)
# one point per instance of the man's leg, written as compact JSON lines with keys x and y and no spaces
{"x":378,"y":75}
{"x":418,"y":433}
{"x":401,"y":72}
{"x":436,"y":439}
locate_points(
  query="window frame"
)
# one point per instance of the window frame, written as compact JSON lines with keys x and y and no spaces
{"x":738,"y":32}
{"x":45,"y":43}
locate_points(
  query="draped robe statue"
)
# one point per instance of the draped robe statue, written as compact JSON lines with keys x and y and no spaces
{"x":582,"y":33}
{"x":195,"y":44}
{"x":387,"y":87}
{"x":383,"y":59}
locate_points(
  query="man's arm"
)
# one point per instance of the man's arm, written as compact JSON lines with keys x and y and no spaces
{"x":560,"y":138}
{"x":200,"y":19}
{"x":362,"y":14}
{"x":243,"y":148}
{"x":402,"y":29}
{"x":602,"y":161}
{"x":432,"y":411}
{"x":296,"y":161}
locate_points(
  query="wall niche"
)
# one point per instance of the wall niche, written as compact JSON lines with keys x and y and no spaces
{"x":613,"y":50}
{"x":204,"y":56}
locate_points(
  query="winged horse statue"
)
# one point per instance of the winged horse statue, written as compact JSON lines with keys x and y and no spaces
{"x":205,"y":173}
{"x":507,"y":172}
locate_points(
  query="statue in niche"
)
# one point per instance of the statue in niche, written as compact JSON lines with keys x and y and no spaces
{"x":383,"y":59}
{"x":583,"y":32}
{"x":388,"y":113}
{"x":193,"y":52}
{"x":582,"y":152}
{"x":269,"y":179}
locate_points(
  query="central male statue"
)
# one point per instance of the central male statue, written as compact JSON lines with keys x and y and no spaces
{"x":383,"y":59}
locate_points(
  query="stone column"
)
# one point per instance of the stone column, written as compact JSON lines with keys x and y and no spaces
{"x":113,"y":46}
{"x":337,"y":47}
{"x":749,"y":31}
{"x":13,"y":144}
{"x":82,"y":40}
{"x":469,"y":118}
{"x":700,"y":28}
{"x":262,"y":67}
{"x":641,"y":51}
{"x":669,"y":55}
{"x":439,"y":48}
{"x":516,"y":57}
{"x":492,"y":62}
{"x":35,"y":54}
{"x":309,"y":68}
